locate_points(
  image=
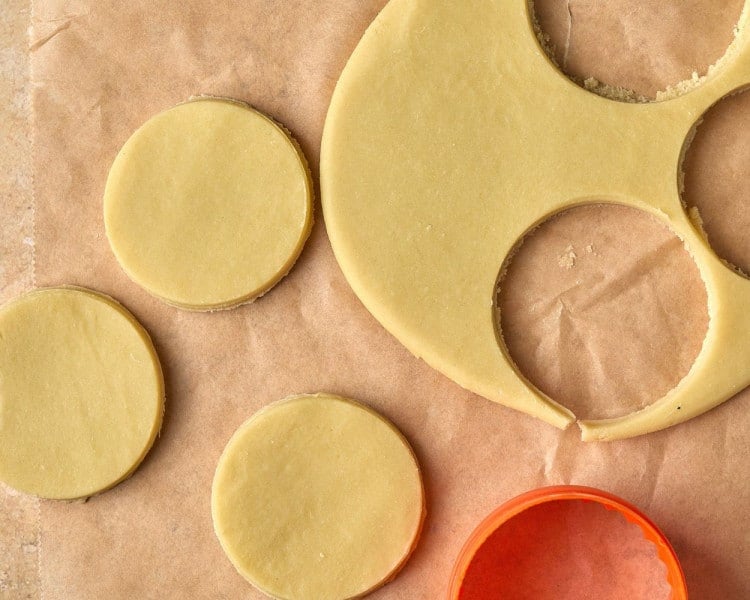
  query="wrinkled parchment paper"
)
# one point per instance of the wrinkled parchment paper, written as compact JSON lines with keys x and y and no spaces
{"x":100,"y":69}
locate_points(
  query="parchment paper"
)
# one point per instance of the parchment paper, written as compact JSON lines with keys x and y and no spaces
{"x":19,"y":514}
{"x":100,"y":69}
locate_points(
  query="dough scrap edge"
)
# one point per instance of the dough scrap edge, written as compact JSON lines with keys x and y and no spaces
{"x":543,"y":408}
{"x":606,"y":430}
{"x":287,"y":267}
{"x":156,"y":363}
{"x":679,"y":406}
{"x":334,"y":397}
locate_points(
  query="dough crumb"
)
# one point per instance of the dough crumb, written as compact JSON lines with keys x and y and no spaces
{"x":613,"y":92}
{"x":29,"y":549}
{"x":567,"y":260}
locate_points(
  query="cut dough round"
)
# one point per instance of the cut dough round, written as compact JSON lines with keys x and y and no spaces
{"x":317,"y":497}
{"x":208,"y":205}
{"x":81,"y":393}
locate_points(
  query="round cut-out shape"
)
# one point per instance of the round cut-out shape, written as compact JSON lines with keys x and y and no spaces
{"x":317,"y":497}
{"x":716,"y":184}
{"x":602,"y":308}
{"x":81,"y":393}
{"x":587,"y":41}
{"x":208,"y":204}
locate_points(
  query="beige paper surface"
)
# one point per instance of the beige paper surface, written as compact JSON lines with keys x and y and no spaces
{"x":19,"y":514}
{"x":100,"y":69}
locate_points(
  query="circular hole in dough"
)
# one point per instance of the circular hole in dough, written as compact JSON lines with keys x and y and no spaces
{"x":317,"y":497}
{"x":636,"y":49}
{"x":81,"y":393}
{"x":208,"y":204}
{"x":717,"y":179}
{"x":603,"y":309}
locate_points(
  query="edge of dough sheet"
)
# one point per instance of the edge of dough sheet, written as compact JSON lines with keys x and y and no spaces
{"x":418,"y":534}
{"x":148,"y":343}
{"x":717,"y":373}
{"x":305,"y":233}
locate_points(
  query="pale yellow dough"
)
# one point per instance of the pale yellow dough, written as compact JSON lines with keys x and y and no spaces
{"x":81,"y":393}
{"x":450,"y":135}
{"x":317,"y":498}
{"x":208,"y":204}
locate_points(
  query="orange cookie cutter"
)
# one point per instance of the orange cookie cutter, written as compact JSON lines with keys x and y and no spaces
{"x":519,"y":504}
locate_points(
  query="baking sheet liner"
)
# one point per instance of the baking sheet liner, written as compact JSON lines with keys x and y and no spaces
{"x":100,"y":69}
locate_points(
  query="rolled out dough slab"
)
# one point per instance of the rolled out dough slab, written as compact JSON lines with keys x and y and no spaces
{"x":317,"y":497}
{"x":81,"y":393}
{"x":450,"y":136}
{"x":208,"y":204}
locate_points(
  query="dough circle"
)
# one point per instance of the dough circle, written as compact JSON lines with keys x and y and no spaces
{"x":208,"y":204}
{"x":317,"y":497}
{"x":81,"y":393}
{"x":450,"y":135}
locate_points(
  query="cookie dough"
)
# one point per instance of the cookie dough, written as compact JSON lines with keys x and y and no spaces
{"x":451,"y":135}
{"x":208,"y":205}
{"x":81,"y":393}
{"x":317,"y":497}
